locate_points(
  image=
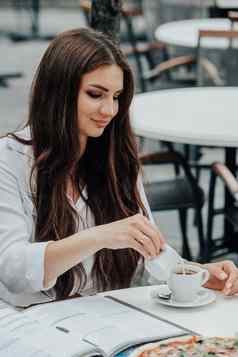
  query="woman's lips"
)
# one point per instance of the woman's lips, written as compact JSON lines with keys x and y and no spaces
{"x":101,"y":123}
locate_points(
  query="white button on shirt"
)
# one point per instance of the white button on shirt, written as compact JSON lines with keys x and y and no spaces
{"x":21,"y":258}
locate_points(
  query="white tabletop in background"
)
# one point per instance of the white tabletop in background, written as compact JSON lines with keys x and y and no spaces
{"x":216,"y":319}
{"x":224,"y":4}
{"x":185,"y":33}
{"x":202,"y":116}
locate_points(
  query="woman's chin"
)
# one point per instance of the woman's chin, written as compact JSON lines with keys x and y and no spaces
{"x":96,"y":133}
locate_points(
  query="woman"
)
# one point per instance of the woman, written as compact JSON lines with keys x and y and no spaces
{"x":73,"y":214}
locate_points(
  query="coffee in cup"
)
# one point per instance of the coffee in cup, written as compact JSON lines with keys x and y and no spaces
{"x":185,"y":282}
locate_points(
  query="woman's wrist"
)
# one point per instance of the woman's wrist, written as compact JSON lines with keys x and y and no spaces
{"x":93,"y":237}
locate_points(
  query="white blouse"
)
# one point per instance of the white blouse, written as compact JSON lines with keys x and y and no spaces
{"x":21,"y":258}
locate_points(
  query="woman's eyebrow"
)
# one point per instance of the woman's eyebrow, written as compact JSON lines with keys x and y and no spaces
{"x":98,"y":86}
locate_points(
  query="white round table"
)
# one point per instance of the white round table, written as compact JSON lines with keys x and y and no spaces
{"x":185,"y":33}
{"x":226,"y":4}
{"x":223,"y":4}
{"x":190,"y":3}
{"x":200,"y":116}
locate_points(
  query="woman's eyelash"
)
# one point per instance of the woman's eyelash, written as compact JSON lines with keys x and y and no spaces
{"x":98,"y":95}
{"x":94,"y":95}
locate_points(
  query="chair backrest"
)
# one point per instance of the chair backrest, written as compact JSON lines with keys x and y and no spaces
{"x":220,"y":8}
{"x":233,"y":17}
{"x":224,"y":71}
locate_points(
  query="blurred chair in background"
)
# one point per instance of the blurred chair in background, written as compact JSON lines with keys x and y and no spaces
{"x":180,"y":193}
{"x":216,"y":247}
{"x":221,"y":73}
{"x":221,"y":9}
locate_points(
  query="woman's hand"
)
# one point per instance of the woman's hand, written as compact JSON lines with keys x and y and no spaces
{"x":223,"y":276}
{"x":135,"y":232}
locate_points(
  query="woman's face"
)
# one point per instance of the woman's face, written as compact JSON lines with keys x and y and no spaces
{"x":98,"y":100}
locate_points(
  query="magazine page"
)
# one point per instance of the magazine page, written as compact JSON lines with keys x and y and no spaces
{"x":10,"y":346}
{"x":45,"y":343}
{"x":12,"y":321}
{"x":123,"y":330}
{"x":108,"y":325}
{"x":75,"y":314}
{"x":59,"y":343}
{"x":82,"y":327}
{"x":23,"y":331}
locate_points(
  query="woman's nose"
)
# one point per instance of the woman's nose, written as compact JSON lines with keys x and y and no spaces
{"x":108,"y":108}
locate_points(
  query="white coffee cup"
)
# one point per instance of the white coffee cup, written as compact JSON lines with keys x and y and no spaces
{"x":185,"y":287}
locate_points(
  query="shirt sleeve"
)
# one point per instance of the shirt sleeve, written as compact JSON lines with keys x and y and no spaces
{"x":144,"y":198}
{"x":142,"y":276}
{"x":21,"y":261}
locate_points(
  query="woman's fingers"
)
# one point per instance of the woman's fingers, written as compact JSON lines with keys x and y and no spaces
{"x":231,"y":285}
{"x":138,"y":246}
{"x":151,"y":232}
{"x":145,"y":241}
{"x":135,"y":232}
{"x":224,"y":276}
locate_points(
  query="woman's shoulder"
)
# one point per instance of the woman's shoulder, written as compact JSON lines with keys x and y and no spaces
{"x":13,"y":153}
{"x":9,"y":143}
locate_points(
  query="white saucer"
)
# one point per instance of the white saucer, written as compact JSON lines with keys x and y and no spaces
{"x":204,"y":297}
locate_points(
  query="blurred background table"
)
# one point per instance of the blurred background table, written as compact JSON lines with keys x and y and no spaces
{"x":200,"y":116}
{"x":185,"y":33}
{"x":187,"y":38}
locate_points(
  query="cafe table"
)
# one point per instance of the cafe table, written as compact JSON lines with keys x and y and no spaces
{"x":205,"y":116}
{"x":219,"y":318}
{"x":223,"y":4}
{"x":184,"y":33}
{"x":226,"y":4}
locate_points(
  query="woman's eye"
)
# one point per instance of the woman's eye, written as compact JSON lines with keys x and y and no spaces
{"x":94,"y":94}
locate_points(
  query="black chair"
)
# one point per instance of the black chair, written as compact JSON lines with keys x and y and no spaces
{"x":217,"y":11}
{"x":209,"y":73}
{"x":178,"y":193}
{"x":219,"y":246}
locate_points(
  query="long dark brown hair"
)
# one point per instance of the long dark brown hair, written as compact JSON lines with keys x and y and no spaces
{"x":109,"y":167}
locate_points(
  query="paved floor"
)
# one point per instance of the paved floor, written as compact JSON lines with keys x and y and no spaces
{"x":24,"y":57}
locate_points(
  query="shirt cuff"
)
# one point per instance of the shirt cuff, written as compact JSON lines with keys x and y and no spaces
{"x":35,"y":257}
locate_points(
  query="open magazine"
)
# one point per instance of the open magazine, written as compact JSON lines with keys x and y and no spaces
{"x":82,"y":327}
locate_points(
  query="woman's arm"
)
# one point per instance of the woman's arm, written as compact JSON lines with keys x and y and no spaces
{"x":134,"y":232}
{"x":27,"y":266}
